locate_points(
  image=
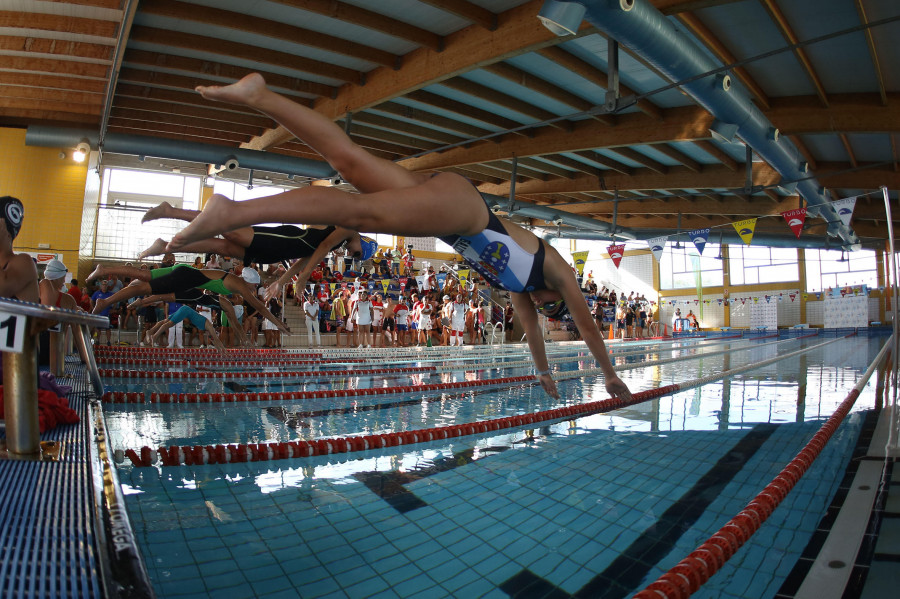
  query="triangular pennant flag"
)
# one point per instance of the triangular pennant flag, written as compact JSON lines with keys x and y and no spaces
{"x":403,"y":283}
{"x":657,"y":245}
{"x":795,"y":220}
{"x":333,"y":287}
{"x":580,"y":258}
{"x":844,"y":208}
{"x":745,"y":229}
{"x":699,"y":237}
{"x":616,"y":251}
{"x":384,"y":285}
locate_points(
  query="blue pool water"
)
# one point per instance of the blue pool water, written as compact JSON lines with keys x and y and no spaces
{"x":598,"y":506}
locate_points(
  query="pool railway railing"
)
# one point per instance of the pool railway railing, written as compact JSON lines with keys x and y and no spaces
{"x":156,"y":397}
{"x":20,"y":371}
{"x":254,"y":452}
{"x":686,"y":577}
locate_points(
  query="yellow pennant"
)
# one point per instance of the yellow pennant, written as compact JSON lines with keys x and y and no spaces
{"x":463,"y":277}
{"x":580,"y":258}
{"x":745,"y":229}
{"x":384,"y":284}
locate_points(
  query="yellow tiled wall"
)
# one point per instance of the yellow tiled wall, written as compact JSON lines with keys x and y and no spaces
{"x":52,"y":190}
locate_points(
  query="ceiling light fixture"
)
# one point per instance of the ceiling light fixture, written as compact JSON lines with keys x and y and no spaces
{"x":81,"y":151}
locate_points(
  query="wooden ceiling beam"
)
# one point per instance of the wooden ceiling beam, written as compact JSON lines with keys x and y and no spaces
{"x":544,"y":88}
{"x":368,"y":19}
{"x":787,"y":32}
{"x":678,"y":156}
{"x":493,"y":96}
{"x":846,"y":143}
{"x":717,"y":153}
{"x":873,"y":53}
{"x":641,"y":159}
{"x":56,"y":66}
{"x":465,"y":130}
{"x":847,"y":113}
{"x":609,"y":163}
{"x":146,"y":116}
{"x":714,"y":45}
{"x":156,"y":128}
{"x":223,"y":73}
{"x":50,"y":23}
{"x":63,"y":48}
{"x":591,"y":73}
{"x":547,"y":168}
{"x":485,"y":116}
{"x":681,"y":124}
{"x":574,"y":165}
{"x":141,"y":34}
{"x":223,"y":117}
{"x":467,"y":11}
{"x":49,"y":105}
{"x":713,"y":177}
{"x":44,"y":94}
{"x":404,"y":127}
{"x":804,"y":151}
{"x":247,"y":23}
{"x":57,"y":82}
{"x":518,"y":32}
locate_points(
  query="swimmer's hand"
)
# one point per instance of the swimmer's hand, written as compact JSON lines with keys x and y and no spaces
{"x":549,"y":385}
{"x":617,"y":388}
{"x":272,"y":291}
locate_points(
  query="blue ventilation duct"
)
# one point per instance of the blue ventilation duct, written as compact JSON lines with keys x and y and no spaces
{"x":141,"y":145}
{"x":638,"y":25}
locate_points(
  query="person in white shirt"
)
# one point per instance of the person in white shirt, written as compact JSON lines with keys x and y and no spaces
{"x":311,"y":314}
{"x":401,"y":321}
{"x":361,"y":315}
{"x":457,"y":320}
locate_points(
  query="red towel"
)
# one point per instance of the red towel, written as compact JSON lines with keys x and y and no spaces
{"x":52,"y":410}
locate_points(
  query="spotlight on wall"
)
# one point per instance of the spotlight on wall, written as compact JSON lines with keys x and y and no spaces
{"x":81,"y":151}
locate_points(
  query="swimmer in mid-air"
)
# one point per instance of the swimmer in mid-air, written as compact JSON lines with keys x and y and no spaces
{"x":179,"y":278}
{"x":268,"y":245}
{"x":396,"y":201}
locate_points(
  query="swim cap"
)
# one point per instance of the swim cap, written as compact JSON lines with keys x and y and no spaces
{"x":55,"y":269}
{"x":250,"y":275}
{"x":12,"y":212}
{"x":369,"y":247}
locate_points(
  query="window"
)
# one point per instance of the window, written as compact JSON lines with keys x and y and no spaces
{"x":825,"y":269}
{"x":751,"y":265}
{"x":679,"y":267}
{"x":125,"y":197}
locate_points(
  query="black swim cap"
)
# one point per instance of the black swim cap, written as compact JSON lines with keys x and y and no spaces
{"x":12,"y":211}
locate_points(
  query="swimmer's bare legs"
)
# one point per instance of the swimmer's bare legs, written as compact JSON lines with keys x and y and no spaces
{"x":166,"y":210}
{"x":135,"y":289}
{"x":122,"y":271}
{"x":394,"y":200}
{"x":364,"y":171}
{"x":222,"y":247}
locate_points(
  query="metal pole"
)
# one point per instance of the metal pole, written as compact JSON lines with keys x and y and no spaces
{"x":893,"y":263}
{"x":20,"y":400}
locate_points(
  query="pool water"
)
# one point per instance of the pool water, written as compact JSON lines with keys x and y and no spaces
{"x":597,"y":506}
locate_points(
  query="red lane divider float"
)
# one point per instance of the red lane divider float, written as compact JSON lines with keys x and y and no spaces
{"x":256,"y":452}
{"x":165,"y":375}
{"x":102,"y":350}
{"x":686,"y":577}
{"x":204,"y":362}
{"x":140,"y":397}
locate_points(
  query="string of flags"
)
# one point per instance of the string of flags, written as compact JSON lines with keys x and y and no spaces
{"x":854,"y":290}
{"x":745,"y":229}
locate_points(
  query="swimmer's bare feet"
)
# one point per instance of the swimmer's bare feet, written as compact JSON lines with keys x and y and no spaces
{"x":212,"y":221}
{"x":98,"y":272}
{"x":246,"y":91}
{"x":161,"y":211}
{"x":158,"y":248}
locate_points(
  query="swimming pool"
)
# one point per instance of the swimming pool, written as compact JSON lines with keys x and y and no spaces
{"x":597,"y":505}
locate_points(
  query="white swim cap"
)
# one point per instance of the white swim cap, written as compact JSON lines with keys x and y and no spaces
{"x":250,"y":275}
{"x":55,"y":269}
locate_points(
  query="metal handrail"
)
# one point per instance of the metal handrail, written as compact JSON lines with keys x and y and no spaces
{"x":20,"y":373}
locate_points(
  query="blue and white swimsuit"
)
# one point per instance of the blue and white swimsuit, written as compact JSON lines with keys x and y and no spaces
{"x":500,"y":260}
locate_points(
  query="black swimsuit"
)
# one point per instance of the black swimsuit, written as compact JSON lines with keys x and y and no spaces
{"x":286,"y":242}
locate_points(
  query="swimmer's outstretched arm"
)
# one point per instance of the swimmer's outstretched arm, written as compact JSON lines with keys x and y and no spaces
{"x":567,"y":285}
{"x":305,"y":266}
{"x":524,"y":307}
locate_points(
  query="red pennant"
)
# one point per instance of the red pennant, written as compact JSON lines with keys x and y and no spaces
{"x":795,"y":220}
{"x":793,"y":295}
{"x":616,"y":252}
{"x":402,"y":283}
